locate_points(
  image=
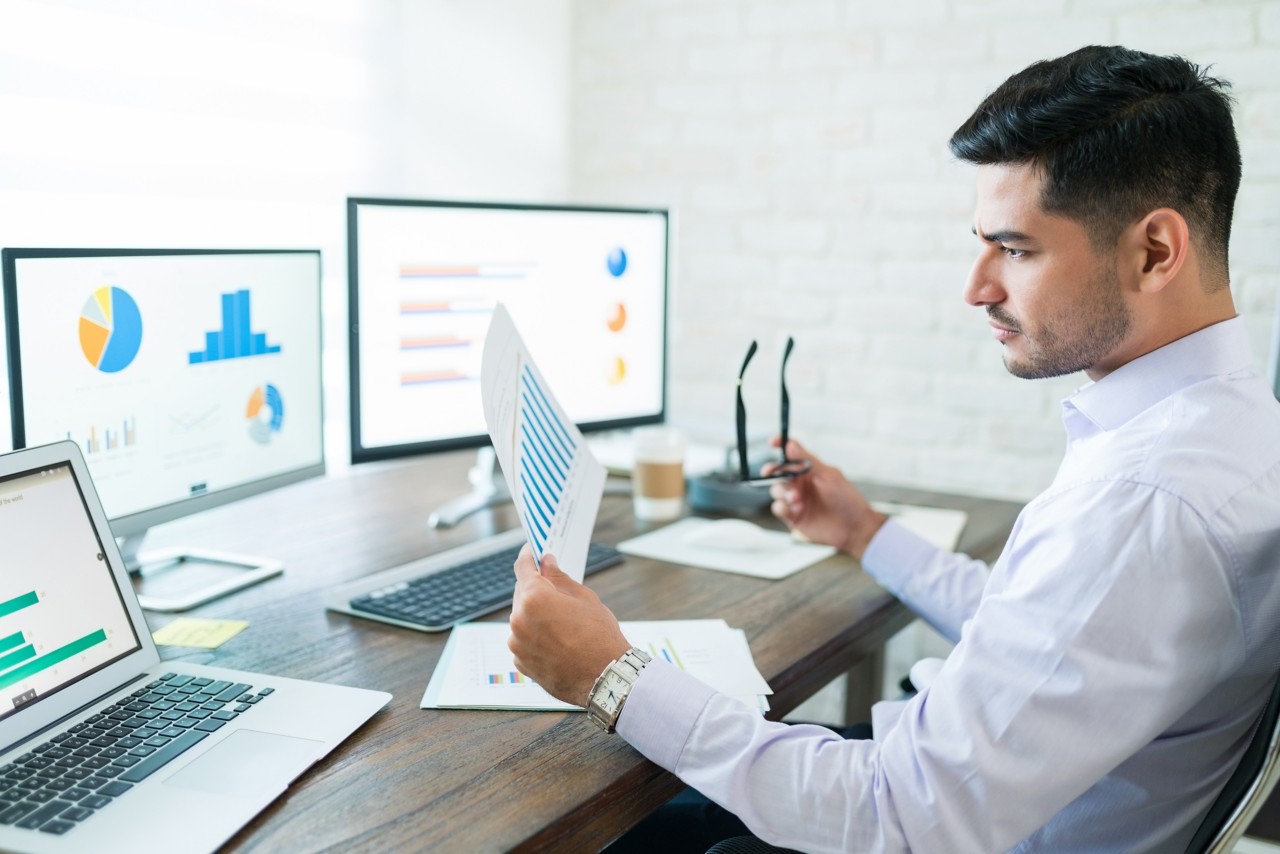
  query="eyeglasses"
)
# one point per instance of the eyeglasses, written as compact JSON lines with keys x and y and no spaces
{"x":785,"y":468}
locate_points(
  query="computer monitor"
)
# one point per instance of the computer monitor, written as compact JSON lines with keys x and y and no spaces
{"x":586,"y":286}
{"x":189,"y":377}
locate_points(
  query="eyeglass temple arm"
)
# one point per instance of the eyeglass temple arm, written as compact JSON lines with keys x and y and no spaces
{"x":743,"y":469}
{"x":786,"y":398}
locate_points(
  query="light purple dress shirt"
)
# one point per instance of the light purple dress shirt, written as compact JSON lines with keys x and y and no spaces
{"x":1109,"y":667}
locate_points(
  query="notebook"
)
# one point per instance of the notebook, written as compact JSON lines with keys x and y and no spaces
{"x":103,"y":747}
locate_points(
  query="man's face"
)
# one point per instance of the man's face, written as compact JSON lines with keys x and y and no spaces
{"x":1053,"y":303}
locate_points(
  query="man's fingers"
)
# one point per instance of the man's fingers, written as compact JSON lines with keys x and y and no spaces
{"x":525,"y":565}
{"x":551,"y":571}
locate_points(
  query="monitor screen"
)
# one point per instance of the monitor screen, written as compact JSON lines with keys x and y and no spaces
{"x":189,"y":378}
{"x":587,"y":288}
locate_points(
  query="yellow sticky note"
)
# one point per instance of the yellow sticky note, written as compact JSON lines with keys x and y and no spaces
{"x":193,"y":631}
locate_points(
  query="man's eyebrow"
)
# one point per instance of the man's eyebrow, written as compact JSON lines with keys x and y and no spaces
{"x":1005,"y":236}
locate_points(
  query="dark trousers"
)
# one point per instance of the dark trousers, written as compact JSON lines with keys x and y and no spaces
{"x":689,"y":823}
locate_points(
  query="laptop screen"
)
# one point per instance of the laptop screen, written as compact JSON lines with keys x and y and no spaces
{"x":61,"y":615}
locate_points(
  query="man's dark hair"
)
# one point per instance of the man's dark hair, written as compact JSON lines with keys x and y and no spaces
{"x":1117,"y":134}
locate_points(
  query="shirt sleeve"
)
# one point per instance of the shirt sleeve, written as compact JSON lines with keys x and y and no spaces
{"x":940,"y":587}
{"x":1084,"y":650}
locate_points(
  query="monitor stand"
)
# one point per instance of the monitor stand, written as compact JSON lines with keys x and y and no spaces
{"x":488,"y":489}
{"x":177,"y":579}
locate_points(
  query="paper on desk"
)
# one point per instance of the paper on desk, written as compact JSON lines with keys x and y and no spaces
{"x":780,"y":554}
{"x":938,"y":525}
{"x":198,"y":632}
{"x":476,"y":670}
{"x":554,"y":480}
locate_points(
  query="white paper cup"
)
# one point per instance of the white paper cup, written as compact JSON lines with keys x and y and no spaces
{"x":657,"y":473}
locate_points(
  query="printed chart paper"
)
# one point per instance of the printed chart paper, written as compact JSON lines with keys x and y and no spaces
{"x":554,"y":479}
{"x":476,"y":670}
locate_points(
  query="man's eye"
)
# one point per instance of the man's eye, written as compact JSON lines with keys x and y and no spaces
{"x":1013,"y":253}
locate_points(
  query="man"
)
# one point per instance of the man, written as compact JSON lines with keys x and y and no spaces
{"x":1111,"y":664}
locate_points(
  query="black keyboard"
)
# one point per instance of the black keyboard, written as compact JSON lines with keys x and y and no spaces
{"x":440,"y":599}
{"x":66,"y":780}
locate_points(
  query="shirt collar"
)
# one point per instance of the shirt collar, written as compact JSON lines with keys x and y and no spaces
{"x":1222,"y":348}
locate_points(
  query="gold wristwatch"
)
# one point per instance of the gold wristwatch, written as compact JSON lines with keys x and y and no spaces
{"x":604,"y":703}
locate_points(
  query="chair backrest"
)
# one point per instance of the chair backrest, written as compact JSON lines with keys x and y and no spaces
{"x":1247,"y":789}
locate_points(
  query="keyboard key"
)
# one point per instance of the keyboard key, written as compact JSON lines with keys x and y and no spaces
{"x":162,"y":757}
{"x":57,"y":826}
{"x":16,"y":812}
{"x":232,"y":691}
{"x":115,"y":789}
{"x":43,"y":814}
{"x":95,"y":802}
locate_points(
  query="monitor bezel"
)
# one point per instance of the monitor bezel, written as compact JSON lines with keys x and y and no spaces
{"x":138,"y":522}
{"x":362,"y":454}
{"x":1274,"y":366}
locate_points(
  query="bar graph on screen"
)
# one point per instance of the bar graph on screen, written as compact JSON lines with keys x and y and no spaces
{"x":552,"y":475}
{"x":236,"y":339}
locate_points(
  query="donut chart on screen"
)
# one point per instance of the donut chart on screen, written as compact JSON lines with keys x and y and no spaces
{"x":265,"y":413}
{"x":110,"y":329}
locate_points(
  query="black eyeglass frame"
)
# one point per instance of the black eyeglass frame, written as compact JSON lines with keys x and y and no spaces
{"x":784,"y":469}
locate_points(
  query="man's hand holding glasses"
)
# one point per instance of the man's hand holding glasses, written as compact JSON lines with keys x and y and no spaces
{"x":813,"y":498}
{"x":787,"y":467}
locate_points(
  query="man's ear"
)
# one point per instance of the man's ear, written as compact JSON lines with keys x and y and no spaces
{"x":1158,"y":245}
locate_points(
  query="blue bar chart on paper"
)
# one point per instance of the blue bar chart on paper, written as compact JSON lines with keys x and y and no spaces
{"x":546,"y":456}
{"x":554,"y":480}
{"x":236,"y":339}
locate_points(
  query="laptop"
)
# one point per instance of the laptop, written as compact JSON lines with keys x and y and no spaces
{"x":104,"y":747}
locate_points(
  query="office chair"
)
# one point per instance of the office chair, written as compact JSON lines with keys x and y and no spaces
{"x":1248,"y":787}
{"x":746,"y":845}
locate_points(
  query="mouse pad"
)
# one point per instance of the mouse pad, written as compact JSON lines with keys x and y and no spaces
{"x":776,"y":555}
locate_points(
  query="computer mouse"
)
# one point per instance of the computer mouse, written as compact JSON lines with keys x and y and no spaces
{"x":727,"y":534}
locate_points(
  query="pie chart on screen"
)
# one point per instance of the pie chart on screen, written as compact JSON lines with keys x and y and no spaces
{"x":110,"y":329}
{"x":618,"y":373}
{"x":617,"y":317}
{"x":265,"y":413}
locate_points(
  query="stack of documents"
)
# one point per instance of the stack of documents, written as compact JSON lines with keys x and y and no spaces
{"x":476,"y":670}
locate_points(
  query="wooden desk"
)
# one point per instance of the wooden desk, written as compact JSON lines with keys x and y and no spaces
{"x":415,"y":779}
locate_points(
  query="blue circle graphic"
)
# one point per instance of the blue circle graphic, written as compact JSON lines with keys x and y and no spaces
{"x":618,"y":261}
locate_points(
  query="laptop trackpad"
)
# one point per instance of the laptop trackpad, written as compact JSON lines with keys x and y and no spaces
{"x":248,"y":763}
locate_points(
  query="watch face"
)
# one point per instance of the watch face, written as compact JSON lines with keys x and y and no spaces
{"x":613,"y":688}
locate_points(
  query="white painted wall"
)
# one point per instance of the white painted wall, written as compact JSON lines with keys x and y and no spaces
{"x":802,"y":145}
{"x":235,"y":123}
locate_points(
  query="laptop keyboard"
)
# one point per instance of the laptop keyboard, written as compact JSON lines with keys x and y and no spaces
{"x":66,"y":780}
{"x":442,"y":598}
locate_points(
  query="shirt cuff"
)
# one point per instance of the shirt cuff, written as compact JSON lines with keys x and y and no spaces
{"x":895,"y":554}
{"x":661,"y":710}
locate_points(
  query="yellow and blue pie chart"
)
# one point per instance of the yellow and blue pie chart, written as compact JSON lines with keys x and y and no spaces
{"x":265,"y":413}
{"x":110,"y":329}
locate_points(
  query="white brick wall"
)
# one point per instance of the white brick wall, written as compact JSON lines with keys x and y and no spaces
{"x":802,"y":147}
